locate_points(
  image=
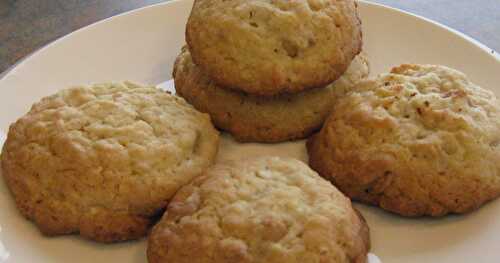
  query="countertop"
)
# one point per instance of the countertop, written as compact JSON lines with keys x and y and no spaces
{"x":27,"y":25}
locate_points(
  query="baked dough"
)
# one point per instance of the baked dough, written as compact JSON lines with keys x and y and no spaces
{"x":252,"y":118}
{"x":267,"y":47}
{"x":422,"y":140}
{"x":104,"y":160}
{"x":267,"y":210}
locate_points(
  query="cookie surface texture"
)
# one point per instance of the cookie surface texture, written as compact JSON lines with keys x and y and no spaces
{"x":267,"y":47}
{"x":262,"y":119}
{"x":264,"y":210}
{"x":422,"y":140}
{"x":102,"y":160}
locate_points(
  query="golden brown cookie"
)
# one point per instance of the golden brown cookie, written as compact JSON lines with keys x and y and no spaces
{"x":256,"y":119}
{"x":103,"y":160}
{"x":266,"y":47}
{"x":265,"y":210}
{"x":422,"y":140}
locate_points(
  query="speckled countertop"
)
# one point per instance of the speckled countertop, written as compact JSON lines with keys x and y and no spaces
{"x":26,"y":25}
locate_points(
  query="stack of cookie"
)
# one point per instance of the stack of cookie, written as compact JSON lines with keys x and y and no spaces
{"x":268,"y":71}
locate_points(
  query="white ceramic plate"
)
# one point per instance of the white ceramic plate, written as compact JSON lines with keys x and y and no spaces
{"x":141,"y":46}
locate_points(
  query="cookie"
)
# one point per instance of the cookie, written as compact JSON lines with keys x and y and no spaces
{"x":422,"y":140}
{"x":104,"y":160}
{"x":266,"y":47}
{"x":265,"y":210}
{"x":251,"y":118}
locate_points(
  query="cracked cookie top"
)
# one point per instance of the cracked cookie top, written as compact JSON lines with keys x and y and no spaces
{"x":422,"y":140}
{"x":267,"y":47}
{"x":265,"y":210}
{"x":102,"y":160}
